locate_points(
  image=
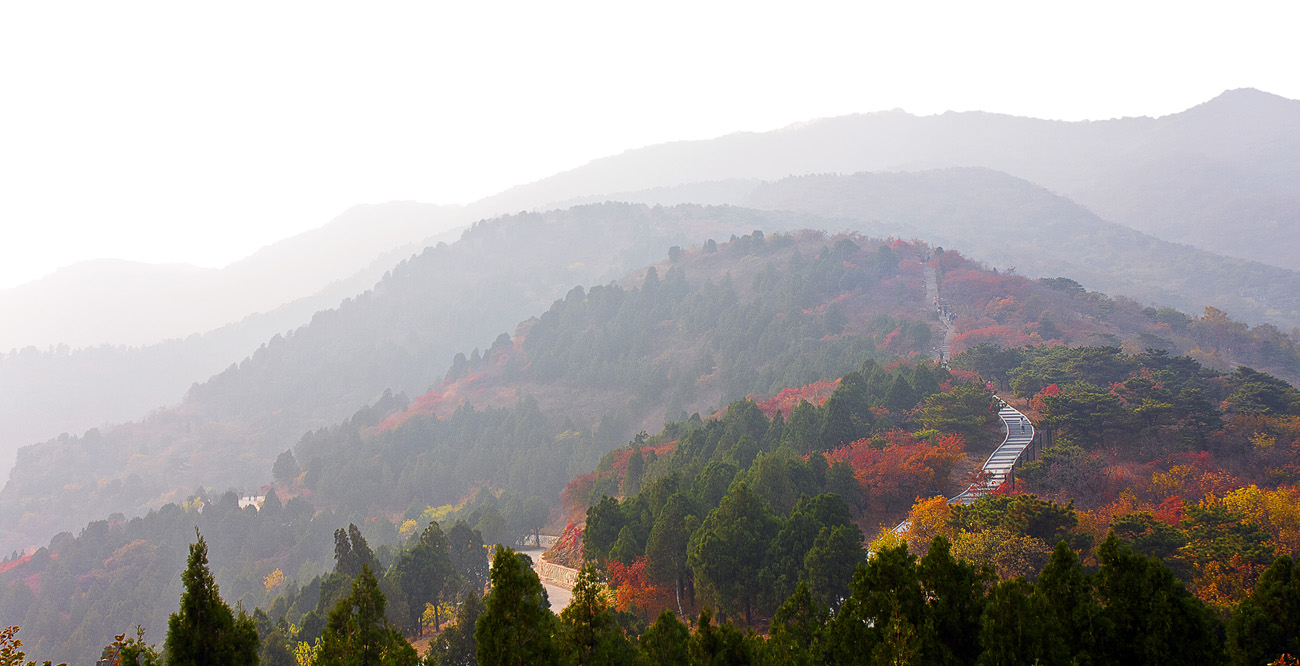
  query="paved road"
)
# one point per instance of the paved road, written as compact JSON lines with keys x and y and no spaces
{"x":1018,"y":433}
{"x":556,"y":595}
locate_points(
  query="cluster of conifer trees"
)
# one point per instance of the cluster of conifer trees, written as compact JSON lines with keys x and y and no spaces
{"x":899,"y":609}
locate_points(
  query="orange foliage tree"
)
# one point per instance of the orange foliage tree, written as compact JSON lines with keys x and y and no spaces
{"x":633,"y":590}
{"x":927,"y":519}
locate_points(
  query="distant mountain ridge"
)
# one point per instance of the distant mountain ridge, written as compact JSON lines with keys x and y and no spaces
{"x":109,"y":301}
{"x":1223,"y":176}
{"x":1009,"y":222}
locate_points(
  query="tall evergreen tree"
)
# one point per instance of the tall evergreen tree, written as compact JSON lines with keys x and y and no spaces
{"x":1017,"y":629}
{"x":667,"y":641}
{"x":1067,"y":593}
{"x":205,"y":631}
{"x":955,"y":600}
{"x":517,"y":627}
{"x":424,"y":572}
{"x":666,"y":548}
{"x":728,"y":551}
{"x":1152,"y":618}
{"x":884,"y":620}
{"x":465,"y":546}
{"x":798,"y":631}
{"x":358,"y":634}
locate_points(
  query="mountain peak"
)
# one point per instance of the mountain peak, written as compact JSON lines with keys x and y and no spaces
{"x":1245,"y":104}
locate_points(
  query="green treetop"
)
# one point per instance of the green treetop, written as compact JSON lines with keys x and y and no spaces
{"x":205,"y":631}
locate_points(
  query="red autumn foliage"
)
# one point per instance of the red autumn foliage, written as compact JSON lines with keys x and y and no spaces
{"x":634,"y":592}
{"x":621,"y":456}
{"x":894,"y":365}
{"x":574,"y":497}
{"x":889,"y":338}
{"x":815,"y":393}
{"x":901,"y":470}
{"x":965,"y":376}
{"x":998,"y":334}
{"x":1036,"y":402}
{"x":1170,"y":511}
{"x":1010,"y":488}
{"x":567,"y":550}
{"x":22,"y":560}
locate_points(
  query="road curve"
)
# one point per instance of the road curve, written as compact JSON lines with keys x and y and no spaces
{"x":1018,"y":433}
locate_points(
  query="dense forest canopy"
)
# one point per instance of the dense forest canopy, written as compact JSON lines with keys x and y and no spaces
{"x":798,"y":413}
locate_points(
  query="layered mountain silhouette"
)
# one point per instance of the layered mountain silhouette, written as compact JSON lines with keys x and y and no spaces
{"x":1077,"y":201}
{"x":1223,"y":176}
{"x":401,"y":335}
{"x":1009,"y":222}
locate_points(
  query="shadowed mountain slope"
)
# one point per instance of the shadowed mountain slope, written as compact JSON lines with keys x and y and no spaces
{"x":401,"y":335}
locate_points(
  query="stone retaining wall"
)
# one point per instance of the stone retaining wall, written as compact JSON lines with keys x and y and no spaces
{"x":556,"y":574}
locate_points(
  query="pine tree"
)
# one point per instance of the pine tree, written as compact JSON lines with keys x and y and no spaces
{"x":798,"y":630}
{"x":667,"y":641}
{"x":517,"y":627}
{"x":729,"y":550}
{"x":1267,"y":623}
{"x":425,"y":573}
{"x":358,"y":634}
{"x":205,"y":631}
{"x":1152,"y":618}
{"x":1017,"y":628}
{"x":955,"y":600}
{"x":1067,"y":594}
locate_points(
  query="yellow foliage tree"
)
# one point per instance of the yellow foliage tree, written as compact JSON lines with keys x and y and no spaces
{"x":444,"y":610}
{"x":1010,"y":554}
{"x":886,"y":539}
{"x":1222,"y":585}
{"x":273,"y":580}
{"x":10,"y":652}
{"x":1277,"y":512}
{"x":408,"y":528}
{"x":304,"y":653}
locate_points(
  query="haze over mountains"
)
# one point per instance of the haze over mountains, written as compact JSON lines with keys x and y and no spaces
{"x":390,"y":367}
{"x":1223,"y":176}
{"x":1146,"y":174}
{"x":117,"y":302}
{"x":1012,"y":223}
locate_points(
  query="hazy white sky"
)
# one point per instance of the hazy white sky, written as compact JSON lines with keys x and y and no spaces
{"x":198,"y":132}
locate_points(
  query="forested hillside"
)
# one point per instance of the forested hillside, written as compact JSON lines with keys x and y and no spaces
{"x":813,"y":327}
{"x":811,"y":308}
{"x":401,"y":335}
{"x":1008,"y":222}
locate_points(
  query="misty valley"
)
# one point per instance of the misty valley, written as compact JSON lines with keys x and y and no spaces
{"x":959,"y":389}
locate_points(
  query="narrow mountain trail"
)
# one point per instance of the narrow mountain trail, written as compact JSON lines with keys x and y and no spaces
{"x":943,"y":351}
{"x":997,"y":468}
{"x":1018,"y":431}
